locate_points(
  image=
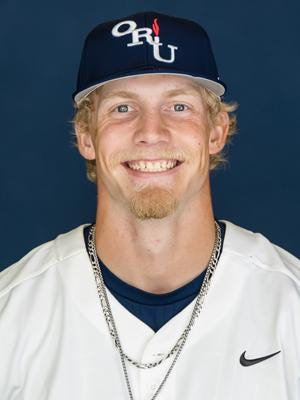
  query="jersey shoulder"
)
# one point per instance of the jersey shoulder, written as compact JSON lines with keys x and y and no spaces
{"x":260,"y":252}
{"x":42,"y":258}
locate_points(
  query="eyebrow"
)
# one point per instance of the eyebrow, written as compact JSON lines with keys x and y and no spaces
{"x":123,"y":94}
{"x":178,"y":92}
{"x":132,"y":95}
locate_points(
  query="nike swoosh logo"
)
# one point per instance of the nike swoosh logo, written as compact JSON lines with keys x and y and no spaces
{"x":247,"y":363}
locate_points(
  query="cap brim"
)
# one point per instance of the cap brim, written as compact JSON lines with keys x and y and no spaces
{"x":215,"y":87}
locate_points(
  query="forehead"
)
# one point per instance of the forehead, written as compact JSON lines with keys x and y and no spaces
{"x":155,"y":84}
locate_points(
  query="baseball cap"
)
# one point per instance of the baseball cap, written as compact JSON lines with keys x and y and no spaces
{"x":146,"y":43}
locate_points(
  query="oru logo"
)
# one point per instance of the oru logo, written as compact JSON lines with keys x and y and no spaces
{"x":138,"y":35}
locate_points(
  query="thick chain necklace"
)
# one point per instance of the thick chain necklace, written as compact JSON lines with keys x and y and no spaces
{"x":105,"y":305}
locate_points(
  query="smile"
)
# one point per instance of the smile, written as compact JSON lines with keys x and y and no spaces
{"x":152,"y":165}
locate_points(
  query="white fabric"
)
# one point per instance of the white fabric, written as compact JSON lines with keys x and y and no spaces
{"x":54,"y":343}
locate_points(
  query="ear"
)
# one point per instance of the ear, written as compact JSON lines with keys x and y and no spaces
{"x":218,"y":133}
{"x":85,"y":143}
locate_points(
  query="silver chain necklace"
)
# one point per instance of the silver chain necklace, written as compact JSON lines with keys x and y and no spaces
{"x":105,"y":305}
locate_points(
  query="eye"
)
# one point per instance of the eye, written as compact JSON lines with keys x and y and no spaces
{"x":122,"y":108}
{"x":179,"y":107}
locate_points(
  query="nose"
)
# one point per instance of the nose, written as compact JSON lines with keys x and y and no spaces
{"x":151,"y":128}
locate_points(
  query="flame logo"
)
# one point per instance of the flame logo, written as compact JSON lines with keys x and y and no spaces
{"x":155,"y":27}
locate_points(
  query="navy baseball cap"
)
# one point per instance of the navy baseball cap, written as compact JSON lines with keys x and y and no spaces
{"x":146,"y":43}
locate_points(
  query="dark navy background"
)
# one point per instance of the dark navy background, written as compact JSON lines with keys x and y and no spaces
{"x":43,"y":187}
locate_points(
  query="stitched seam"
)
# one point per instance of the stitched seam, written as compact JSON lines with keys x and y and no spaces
{"x":15,"y":284}
{"x":257,"y":263}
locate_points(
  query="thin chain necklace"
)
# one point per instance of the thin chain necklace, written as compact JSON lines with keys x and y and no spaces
{"x":105,"y":305}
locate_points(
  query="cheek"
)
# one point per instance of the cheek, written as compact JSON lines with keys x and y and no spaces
{"x":111,"y":145}
{"x":203,"y":142}
{"x":198,"y":144}
{"x":202,"y":136}
{"x":196,"y":135}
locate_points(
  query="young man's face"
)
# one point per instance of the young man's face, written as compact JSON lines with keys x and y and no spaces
{"x":152,"y":144}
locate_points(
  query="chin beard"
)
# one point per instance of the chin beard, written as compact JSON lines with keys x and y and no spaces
{"x":153,"y":203}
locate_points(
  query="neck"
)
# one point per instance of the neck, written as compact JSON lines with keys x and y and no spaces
{"x":157,"y":256}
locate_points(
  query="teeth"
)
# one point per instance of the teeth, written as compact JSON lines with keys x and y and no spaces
{"x":152,"y":166}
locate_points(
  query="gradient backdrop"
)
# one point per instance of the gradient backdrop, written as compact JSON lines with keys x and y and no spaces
{"x":44,"y":191}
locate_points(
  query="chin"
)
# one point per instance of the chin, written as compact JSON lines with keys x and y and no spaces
{"x":153,"y":203}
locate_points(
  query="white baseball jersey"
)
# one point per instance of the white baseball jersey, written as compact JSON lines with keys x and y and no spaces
{"x":55,"y":345}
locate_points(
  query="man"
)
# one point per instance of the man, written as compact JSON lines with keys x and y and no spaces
{"x":158,"y":298}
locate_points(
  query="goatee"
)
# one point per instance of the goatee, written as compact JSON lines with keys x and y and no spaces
{"x":153,"y":203}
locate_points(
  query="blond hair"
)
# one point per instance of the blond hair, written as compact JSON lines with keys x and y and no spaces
{"x":83,"y":113}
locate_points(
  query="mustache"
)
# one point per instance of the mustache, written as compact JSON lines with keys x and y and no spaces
{"x":144,"y":154}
